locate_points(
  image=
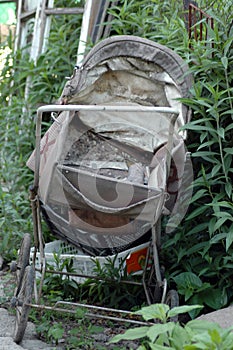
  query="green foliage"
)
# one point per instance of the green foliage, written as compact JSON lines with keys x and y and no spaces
{"x":196,"y":334}
{"x":198,"y":254}
{"x":58,"y":286}
{"x":202,"y":246}
{"x":56,"y":332}
{"x":108,"y":288}
{"x":46,"y":79}
{"x":160,"y":21}
{"x":76,"y":331}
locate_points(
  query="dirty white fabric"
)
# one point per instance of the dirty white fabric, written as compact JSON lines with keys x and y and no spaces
{"x":118,"y":71}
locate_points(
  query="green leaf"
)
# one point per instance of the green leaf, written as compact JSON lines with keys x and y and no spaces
{"x":199,"y":128}
{"x":154,"y":311}
{"x":228,"y":150}
{"x":220,"y":222}
{"x":227,"y":45}
{"x":229,"y":126}
{"x":212,"y":225}
{"x":188,"y":279}
{"x":196,"y":212}
{"x":215,"y":169}
{"x":158,"y":329}
{"x":183,"y":309}
{"x":215,"y":298}
{"x":187,"y":284}
{"x":229,"y":239}
{"x":179,"y":337}
{"x":206,"y":144}
{"x":131,"y":334}
{"x":199,"y":194}
{"x":159,"y":347}
{"x":221,"y":133}
{"x":222,"y":204}
{"x":56,"y":331}
{"x":204,"y":153}
{"x":199,"y":326}
{"x":219,"y":237}
{"x":198,"y":229}
{"x":215,"y":336}
{"x":228,"y":189}
{"x":224,"y":61}
{"x":196,"y":248}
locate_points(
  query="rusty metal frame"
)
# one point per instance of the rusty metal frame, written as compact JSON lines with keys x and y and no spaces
{"x":198,"y":19}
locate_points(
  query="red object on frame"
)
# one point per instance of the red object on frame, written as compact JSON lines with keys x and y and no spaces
{"x":136,"y":260}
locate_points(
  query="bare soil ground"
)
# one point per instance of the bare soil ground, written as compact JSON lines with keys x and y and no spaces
{"x":90,"y":334}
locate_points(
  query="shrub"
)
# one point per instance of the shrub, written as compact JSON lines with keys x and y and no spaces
{"x":195,"y":335}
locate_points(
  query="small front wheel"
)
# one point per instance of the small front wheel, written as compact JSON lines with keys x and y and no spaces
{"x":172,"y":300}
{"x":21,"y":301}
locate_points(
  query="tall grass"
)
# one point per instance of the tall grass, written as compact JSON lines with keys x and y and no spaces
{"x":17,"y":114}
{"x":199,"y":253}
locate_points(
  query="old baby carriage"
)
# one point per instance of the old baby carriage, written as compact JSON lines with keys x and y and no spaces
{"x":113,"y":161}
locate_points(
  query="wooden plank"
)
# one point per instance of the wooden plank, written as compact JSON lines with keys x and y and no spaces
{"x":26,"y":15}
{"x":85,"y":30}
{"x":64,"y":11}
{"x":18,"y":27}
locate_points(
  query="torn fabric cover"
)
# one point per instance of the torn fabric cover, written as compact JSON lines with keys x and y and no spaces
{"x":103,"y":175}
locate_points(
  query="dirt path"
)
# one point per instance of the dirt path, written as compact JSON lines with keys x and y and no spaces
{"x":31,"y":341}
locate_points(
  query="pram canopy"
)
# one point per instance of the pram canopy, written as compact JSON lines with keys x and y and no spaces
{"x":103,"y":177}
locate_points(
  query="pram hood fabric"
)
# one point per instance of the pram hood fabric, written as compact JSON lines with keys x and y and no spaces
{"x":85,"y":189}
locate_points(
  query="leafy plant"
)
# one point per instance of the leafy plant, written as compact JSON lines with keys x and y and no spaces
{"x":196,"y":334}
{"x":108,"y":288}
{"x":160,"y":21}
{"x":58,"y":286}
{"x":75,"y":330}
{"x":201,"y":253}
{"x":200,"y":249}
{"x":17,"y":113}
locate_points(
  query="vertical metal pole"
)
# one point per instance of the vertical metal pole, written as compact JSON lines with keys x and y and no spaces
{"x":144,"y":277}
{"x":36,"y":206}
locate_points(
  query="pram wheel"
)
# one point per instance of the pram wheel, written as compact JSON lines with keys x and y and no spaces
{"x":172,"y":300}
{"x":23,"y":258}
{"x":21,"y":300}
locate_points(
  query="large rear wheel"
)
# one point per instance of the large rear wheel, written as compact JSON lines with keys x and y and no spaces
{"x":21,"y":301}
{"x":23,"y":258}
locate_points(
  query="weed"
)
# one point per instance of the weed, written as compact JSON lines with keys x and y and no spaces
{"x":58,"y":286}
{"x":196,"y":334}
{"x":107,"y":288}
{"x":17,"y":120}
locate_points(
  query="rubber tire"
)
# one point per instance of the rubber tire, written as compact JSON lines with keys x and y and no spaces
{"x":23,"y":258}
{"x":24,"y":297}
{"x":172,"y":300}
{"x":154,"y":287}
